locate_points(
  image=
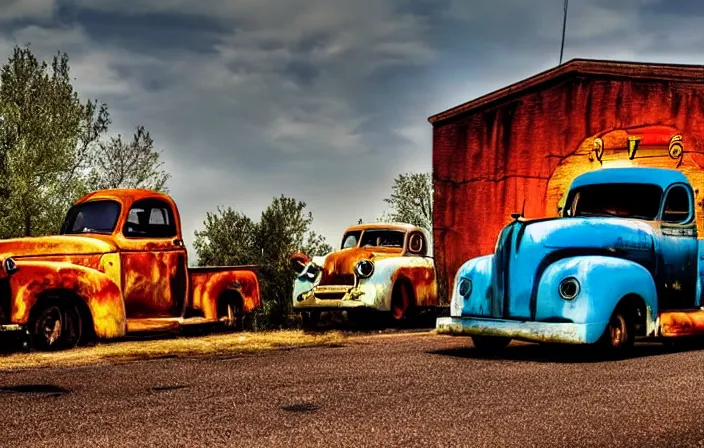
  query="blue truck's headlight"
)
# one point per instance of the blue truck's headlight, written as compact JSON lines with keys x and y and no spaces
{"x":568,"y":288}
{"x":465,"y":287}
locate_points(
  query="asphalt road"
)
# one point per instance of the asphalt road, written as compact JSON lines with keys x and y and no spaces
{"x":405,"y":390}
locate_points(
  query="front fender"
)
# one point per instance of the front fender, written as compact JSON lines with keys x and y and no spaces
{"x":604,"y":281}
{"x":479,"y":271}
{"x":98,"y":290}
{"x":208,"y":286}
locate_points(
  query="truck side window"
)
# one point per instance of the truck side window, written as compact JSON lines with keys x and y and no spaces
{"x":150,"y":218}
{"x":676,"y":206}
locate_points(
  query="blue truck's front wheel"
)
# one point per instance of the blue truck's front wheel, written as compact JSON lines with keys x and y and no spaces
{"x":619,"y":334}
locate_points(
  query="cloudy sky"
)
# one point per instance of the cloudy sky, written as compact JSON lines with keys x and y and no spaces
{"x":323,"y":100}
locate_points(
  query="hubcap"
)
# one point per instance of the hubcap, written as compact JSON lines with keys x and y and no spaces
{"x":618,"y":330}
{"x":51,"y":325}
{"x":230,"y":314}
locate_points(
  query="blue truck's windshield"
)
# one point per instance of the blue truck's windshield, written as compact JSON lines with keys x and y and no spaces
{"x":638,"y":201}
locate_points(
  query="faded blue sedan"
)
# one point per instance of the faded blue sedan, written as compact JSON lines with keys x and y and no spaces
{"x":622,"y":261}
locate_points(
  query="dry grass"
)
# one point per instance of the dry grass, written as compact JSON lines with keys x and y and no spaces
{"x":211,"y":345}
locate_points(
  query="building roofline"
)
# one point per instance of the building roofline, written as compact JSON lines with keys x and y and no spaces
{"x":640,"y":70}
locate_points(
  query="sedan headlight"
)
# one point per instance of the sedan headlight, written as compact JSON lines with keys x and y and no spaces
{"x":568,"y":288}
{"x":312,"y":273}
{"x":364,"y":268}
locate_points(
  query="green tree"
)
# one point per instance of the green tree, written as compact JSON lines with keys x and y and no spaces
{"x":134,"y":164}
{"x":46,"y":133}
{"x":411,"y":200}
{"x":51,"y":147}
{"x":230,"y":237}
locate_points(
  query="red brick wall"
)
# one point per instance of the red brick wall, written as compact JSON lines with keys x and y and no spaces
{"x":487,"y":162}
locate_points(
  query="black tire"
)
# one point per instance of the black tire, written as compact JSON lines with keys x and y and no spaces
{"x":56,"y":326}
{"x":620,"y":333}
{"x":310,"y":319}
{"x":490,"y":345}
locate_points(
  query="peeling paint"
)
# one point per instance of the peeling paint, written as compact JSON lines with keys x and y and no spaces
{"x":654,"y":266}
{"x":330,"y":281}
{"x":126,"y":280}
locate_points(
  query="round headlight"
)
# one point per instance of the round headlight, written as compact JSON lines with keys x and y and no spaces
{"x":9,"y":265}
{"x":569,"y":288}
{"x":364,"y":268}
{"x":465,"y":287}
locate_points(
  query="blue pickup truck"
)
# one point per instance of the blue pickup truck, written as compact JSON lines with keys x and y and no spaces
{"x":622,"y":261}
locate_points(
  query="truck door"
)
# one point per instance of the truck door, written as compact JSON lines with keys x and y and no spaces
{"x":154,"y":277}
{"x":677,"y":266}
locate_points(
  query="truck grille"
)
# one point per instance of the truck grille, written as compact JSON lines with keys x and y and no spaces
{"x":500,"y":285}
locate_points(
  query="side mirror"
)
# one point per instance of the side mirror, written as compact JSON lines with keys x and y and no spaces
{"x":299,"y":261}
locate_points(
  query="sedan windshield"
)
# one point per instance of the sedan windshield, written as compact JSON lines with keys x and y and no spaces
{"x":382,"y":238}
{"x":91,"y":217}
{"x":638,"y":201}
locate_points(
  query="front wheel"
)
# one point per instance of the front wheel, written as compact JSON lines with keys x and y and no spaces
{"x":490,"y":345}
{"x":619,"y":335}
{"x":56,"y":327}
{"x":310,"y":319}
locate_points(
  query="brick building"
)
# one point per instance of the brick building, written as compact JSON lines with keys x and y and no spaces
{"x":524,"y":144}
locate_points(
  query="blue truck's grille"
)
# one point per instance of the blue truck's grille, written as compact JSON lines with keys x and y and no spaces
{"x":500,"y":285}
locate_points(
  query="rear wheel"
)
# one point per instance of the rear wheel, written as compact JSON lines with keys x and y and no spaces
{"x":56,"y":326}
{"x":231,"y":311}
{"x":490,"y":345}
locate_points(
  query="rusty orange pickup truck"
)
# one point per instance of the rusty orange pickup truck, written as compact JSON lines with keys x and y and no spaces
{"x":118,"y":266}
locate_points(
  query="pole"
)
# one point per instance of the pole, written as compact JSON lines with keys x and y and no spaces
{"x":564,"y":24}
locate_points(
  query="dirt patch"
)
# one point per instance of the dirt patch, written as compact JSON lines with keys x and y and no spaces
{"x":212,"y":345}
{"x":304,"y":407}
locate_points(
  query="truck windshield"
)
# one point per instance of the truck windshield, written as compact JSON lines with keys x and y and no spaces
{"x":638,"y":201}
{"x":91,"y":217}
{"x":351,"y":239}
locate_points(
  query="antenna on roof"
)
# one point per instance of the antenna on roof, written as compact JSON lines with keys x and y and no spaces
{"x":564,"y":25}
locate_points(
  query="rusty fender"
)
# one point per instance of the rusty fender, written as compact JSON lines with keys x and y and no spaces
{"x":208,"y":284}
{"x":95,"y":288}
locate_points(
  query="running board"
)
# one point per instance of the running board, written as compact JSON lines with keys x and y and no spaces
{"x":682,"y":323}
{"x":163,"y":323}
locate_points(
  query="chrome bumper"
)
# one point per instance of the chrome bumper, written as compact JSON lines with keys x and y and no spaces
{"x":565,"y":333}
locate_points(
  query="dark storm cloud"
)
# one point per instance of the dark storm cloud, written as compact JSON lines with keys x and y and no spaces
{"x":323,"y":100}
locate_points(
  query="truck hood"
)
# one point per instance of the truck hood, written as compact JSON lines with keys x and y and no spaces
{"x":54,"y":245}
{"x":592,"y":232}
{"x":343,"y":261}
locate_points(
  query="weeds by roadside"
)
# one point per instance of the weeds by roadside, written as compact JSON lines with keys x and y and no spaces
{"x":210,"y":345}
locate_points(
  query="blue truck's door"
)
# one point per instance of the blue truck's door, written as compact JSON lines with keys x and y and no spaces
{"x":677,"y":270}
